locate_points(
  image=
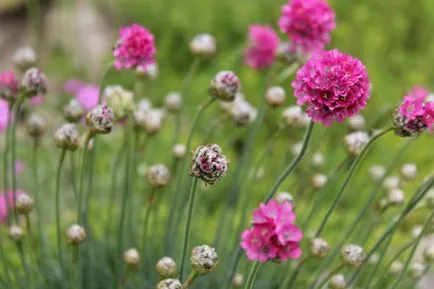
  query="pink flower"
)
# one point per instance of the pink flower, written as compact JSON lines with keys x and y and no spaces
{"x":4,"y":114}
{"x":308,"y":24}
{"x":72,"y":86}
{"x":37,"y":100}
{"x":264,"y":43}
{"x":134,"y":48}
{"x":88,"y":96}
{"x":273,"y":236}
{"x":9,"y":85}
{"x":334,"y":85}
{"x":19,"y":167}
{"x":6,"y":204}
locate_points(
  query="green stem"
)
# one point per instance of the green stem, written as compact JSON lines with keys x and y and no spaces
{"x":285,"y":74}
{"x":14,"y":154}
{"x":5,"y":262}
{"x":6,"y":160}
{"x":146,"y":220}
{"x":351,"y":172}
{"x":189,"y":280}
{"x":24,"y":263}
{"x":295,"y":273}
{"x":253,"y":272}
{"x":57,"y":196}
{"x":192,"y":198}
{"x":333,"y":272}
{"x":82,"y":177}
{"x":73,"y":176}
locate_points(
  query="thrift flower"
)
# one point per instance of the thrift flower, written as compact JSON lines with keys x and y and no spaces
{"x":263,"y":46}
{"x":204,"y":259}
{"x":132,"y":258}
{"x":6,"y":204}
{"x":9,"y":85}
{"x":100,"y":119}
{"x":24,"y":58}
{"x":34,"y":82}
{"x":209,"y":164}
{"x":4,"y":115}
{"x":166,"y":267}
{"x":225,"y":86}
{"x":88,"y":96}
{"x":203,"y":45}
{"x":169,"y":284}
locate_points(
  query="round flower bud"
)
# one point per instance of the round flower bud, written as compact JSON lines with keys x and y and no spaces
{"x":318,"y":159}
{"x":428,"y":254}
{"x":238,"y":280}
{"x":173,"y":101}
{"x":204,"y":259}
{"x":373,"y":260}
{"x":430,"y":199}
{"x":35,"y":126}
{"x":158,"y":175}
{"x":275,"y":96}
{"x":203,"y":45}
{"x":24,"y":58}
{"x":409,"y":171}
{"x":225,"y":86}
{"x":179,"y":150}
{"x":405,"y":127}
{"x":132,"y":258}
{"x":151,"y":120}
{"x":395,"y":197}
{"x":391,"y":182}
{"x":169,"y":284}
{"x":209,"y":164}
{"x":73,"y":111}
{"x":356,"y":141}
{"x":243,"y":113}
{"x":144,"y":104}
{"x":377,"y":172}
{"x":166,"y":267}
{"x":16,"y":233}
{"x":150,"y":71}
{"x":66,"y":137}
{"x":34,"y":82}
{"x":319,"y":248}
{"x":356,"y":122}
{"x":120,"y":100}
{"x":284,"y":197}
{"x":100,"y":119}
{"x":294,"y":116}
{"x":76,"y":234}
{"x":396,"y":268}
{"x":416,"y":270}
{"x":24,"y":204}
{"x":337,"y":281}
{"x":319,"y":180}
{"x":353,"y":255}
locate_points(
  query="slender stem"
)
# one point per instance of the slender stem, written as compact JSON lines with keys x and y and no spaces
{"x":189,"y":280}
{"x":37,"y":193}
{"x":351,"y":172}
{"x":4,"y":261}
{"x":333,"y":272}
{"x":285,"y":74}
{"x":192,"y":198}
{"x":24,"y":263}
{"x":73,"y":176}
{"x":146,"y":219}
{"x":253,"y":272}
{"x":57,"y":196}
{"x":82,"y":177}
{"x":6,"y":160}
{"x":14,"y":154}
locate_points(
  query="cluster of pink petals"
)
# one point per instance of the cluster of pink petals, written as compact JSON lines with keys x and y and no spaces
{"x":6,"y":204}
{"x":273,"y":236}
{"x":263,"y":46}
{"x":334,"y":85}
{"x":416,"y":107}
{"x":135,"y":47}
{"x":308,"y":24}
{"x":4,"y":114}
{"x":87,"y":95}
{"x":9,"y":84}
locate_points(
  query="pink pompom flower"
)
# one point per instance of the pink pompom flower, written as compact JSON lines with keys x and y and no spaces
{"x":415,"y":114}
{"x":135,"y":47}
{"x":263,"y":46}
{"x":308,"y":24}
{"x":9,"y":85}
{"x":274,"y":235}
{"x":334,"y":85}
{"x":6,"y":204}
{"x":88,"y":96}
{"x":4,"y":115}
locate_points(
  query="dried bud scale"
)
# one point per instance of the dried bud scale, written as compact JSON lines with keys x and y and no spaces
{"x":225,"y":86}
{"x":100,"y":120}
{"x":24,"y":204}
{"x":209,"y":164}
{"x":166,"y":267}
{"x":76,"y":234}
{"x":158,"y":175}
{"x":353,"y":255}
{"x":35,"y":126}
{"x":204,"y":259}
{"x":67,"y":137}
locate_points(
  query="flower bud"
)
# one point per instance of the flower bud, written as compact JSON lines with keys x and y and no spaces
{"x":416,"y":270}
{"x":24,"y":58}
{"x":35,"y":126}
{"x":319,"y":248}
{"x":203,"y":45}
{"x":395,"y":197}
{"x":144,"y":104}
{"x":377,"y":172}
{"x":238,"y":280}
{"x":294,"y":116}
{"x":100,"y":119}
{"x":179,"y":150}
{"x":225,"y":86}
{"x":151,"y":120}
{"x":166,"y":267}
{"x":34,"y":82}
{"x":169,"y":284}
{"x":209,"y":164}
{"x":319,"y":181}
{"x":150,"y":71}
{"x":204,"y":259}
{"x":120,"y":100}
{"x":66,"y":137}
{"x":337,"y":281}
{"x":73,"y":111}
{"x":409,"y":171}
{"x":318,"y":159}
{"x":158,"y":175}
{"x":275,"y":96}
{"x":24,"y":204}
{"x":9,"y":85}
{"x":173,"y":101}
{"x":353,"y":255}
{"x":243,"y":113}
{"x":356,"y":122}
{"x":284,"y":197}
{"x":76,"y":234}
{"x":396,"y":268}
{"x":356,"y":141}
{"x":405,"y":127}
{"x":391,"y":182}
{"x":373,"y":260}
{"x":286,"y":54}
{"x":132,"y":258}
{"x":16,"y":233}
{"x":428,"y":254}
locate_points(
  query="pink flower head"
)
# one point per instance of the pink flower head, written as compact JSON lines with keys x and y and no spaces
{"x":273,"y":236}
{"x":334,"y":85}
{"x":19,"y":167}
{"x":72,"y":86}
{"x":6,"y":204}
{"x":37,"y":100}
{"x":9,"y":85}
{"x":4,"y":114}
{"x":307,"y":23}
{"x":134,"y":48}
{"x":87,"y":96}
{"x":264,"y":43}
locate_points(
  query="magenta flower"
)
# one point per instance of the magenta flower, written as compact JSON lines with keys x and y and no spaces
{"x":6,"y":204}
{"x":4,"y":114}
{"x":308,"y":24}
{"x":263,"y":46}
{"x":334,"y":85}
{"x":9,"y":85}
{"x":273,"y":236}
{"x":19,"y":167}
{"x":87,"y":96}
{"x":135,"y":47}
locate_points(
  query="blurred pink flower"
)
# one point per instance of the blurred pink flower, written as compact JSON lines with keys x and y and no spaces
{"x":19,"y":167}
{"x":8,"y":84}
{"x":72,"y":86}
{"x":308,"y":24}
{"x":263,"y":45}
{"x":334,"y":85}
{"x":6,"y":204}
{"x":88,"y":96}
{"x":135,"y":47}
{"x":273,"y":234}
{"x":37,"y":100}
{"x":4,"y":114}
